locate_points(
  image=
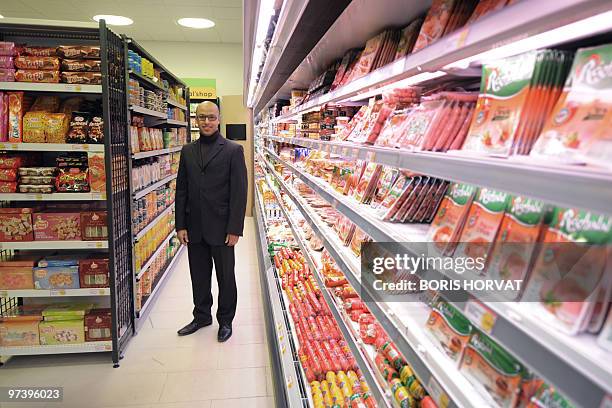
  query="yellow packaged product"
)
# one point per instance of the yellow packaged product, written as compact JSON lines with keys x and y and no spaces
{"x":56,"y":127}
{"x":34,"y":127}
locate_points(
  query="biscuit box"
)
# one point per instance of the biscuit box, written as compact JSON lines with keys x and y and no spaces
{"x":94,"y":226}
{"x":93,"y":273}
{"x":98,"y":325}
{"x":19,"y":327}
{"x":16,"y":224}
{"x":17,"y":273}
{"x":56,"y":277}
{"x":66,"y":311}
{"x":61,"y":332}
{"x":52,"y":226}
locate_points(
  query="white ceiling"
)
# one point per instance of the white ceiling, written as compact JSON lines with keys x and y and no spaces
{"x":154,"y":20}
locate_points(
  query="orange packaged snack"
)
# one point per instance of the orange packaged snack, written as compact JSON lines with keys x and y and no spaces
{"x":97,"y":175}
{"x":433,"y":27}
{"x":483,"y":221}
{"x":17,"y":106}
{"x":449,"y":328}
{"x":448,"y":222}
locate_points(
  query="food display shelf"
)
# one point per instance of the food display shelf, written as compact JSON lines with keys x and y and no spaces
{"x":32,"y":293}
{"x":147,"y":264}
{"x":510,"y":25}
{"x":146,"y":81}
{"x":550,"y":353}
{"x":590,"y":187}
{"x":438,"y":374}
{"x":176,"y":104}
{"x":47,"y":87}
{"x":176,"y":122}
{"x":142,"y":313}
{"x":52,"y":147}
{"x":142,"y":155}
{"x":352,"y":341}
{"x":52,"y":197}
{"x":34,"y":245}
{"x":153,"y":222}
{"x":148,"y":112}
{"x":143,"y":192}
{"x":87,"y":347}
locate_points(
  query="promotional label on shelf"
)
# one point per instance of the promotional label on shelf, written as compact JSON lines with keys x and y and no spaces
{"x":57,"y":292}
{"x":437,"y":393}
{"x":479,"y":314}
{"x":8,"y":146}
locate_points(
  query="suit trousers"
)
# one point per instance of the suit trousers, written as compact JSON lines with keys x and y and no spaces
{"x":201,"y":258}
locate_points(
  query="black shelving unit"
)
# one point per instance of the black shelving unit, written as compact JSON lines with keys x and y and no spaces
{"x":112,"y":93}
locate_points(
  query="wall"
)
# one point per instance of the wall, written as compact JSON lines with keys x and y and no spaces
{"x":222,"y":62}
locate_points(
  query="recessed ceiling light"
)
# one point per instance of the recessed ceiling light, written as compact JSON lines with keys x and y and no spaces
{"x":196,"y":22}
{"x":114,"y":20}
{"x":1,"y":16}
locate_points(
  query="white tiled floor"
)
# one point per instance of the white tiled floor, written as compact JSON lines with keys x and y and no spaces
{"x":162,"y":370}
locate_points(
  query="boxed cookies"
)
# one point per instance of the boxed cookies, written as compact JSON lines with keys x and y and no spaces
{"x":94,"y":273}
{"x":94,"y":226}
{"x":16,"y":224}
{"x":61,"y":332}
{"x":19,"y":326}
{"x":50,"y":226}
{"x":56,"y":277}
{"x":98,"y":323}
{"x":17,"y":274}
{"x":66,"y":311}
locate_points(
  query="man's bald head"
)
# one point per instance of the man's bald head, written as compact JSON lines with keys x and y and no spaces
{"x":207,"y":114}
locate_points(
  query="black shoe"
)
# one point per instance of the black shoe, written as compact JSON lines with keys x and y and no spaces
{"x":193,"y":327}
{"x":225,"y":332}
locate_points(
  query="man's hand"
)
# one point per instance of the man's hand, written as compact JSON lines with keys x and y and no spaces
{"x":231,"y":239}
{"x":182,"y":236}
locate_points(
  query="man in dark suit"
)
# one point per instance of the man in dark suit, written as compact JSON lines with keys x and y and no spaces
{"x":211,"y":197}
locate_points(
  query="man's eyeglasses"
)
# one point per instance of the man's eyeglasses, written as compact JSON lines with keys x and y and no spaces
{"x":204,"y":118}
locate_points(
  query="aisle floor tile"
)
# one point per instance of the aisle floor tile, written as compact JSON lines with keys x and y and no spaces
{"x":247,"y":334}
{"x":259,"y":402}
{"x":242,"y":356}
{"x":214,"y":384}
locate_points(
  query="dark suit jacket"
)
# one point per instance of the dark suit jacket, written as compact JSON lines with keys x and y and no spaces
{"x":211,"y":192}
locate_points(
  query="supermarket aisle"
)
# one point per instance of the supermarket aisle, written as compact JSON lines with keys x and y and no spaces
{"x":162,"y":370}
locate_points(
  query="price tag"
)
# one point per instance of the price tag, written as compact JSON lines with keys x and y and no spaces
{"x":370,"y":156}
{"x":99,"y":196}
{"x":437,"y":393}
{"x":290,"y":382}
{"x":103,"y":347}
{"x":101,"y":291}
{"x":355,"y":152}
{"x":462,"y":38}
{"x":57,"y":292}
{"x":283,"y":349}
{"x":37,"y":197}
{"x":7,"y":146}
{"x":480,"y":315}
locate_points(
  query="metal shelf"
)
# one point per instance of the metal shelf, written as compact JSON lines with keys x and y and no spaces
{"x":147,"y":264}
{"x":52,"y":197}
{"x":434,"y":370}
{"x":509,"y":25}
{"x":147,"y":81}
{"x":32,"y":293}
{"x":154,"y":221}
{"x":143,"y":192}
{"x":176,"y":122}
{"x":87,"y":347}
{"x":591,"y":188}
{"x":148,"y":112}
{"x":28,"y":245}
{"x":52,"y":147}
{"x":151,"y":153}
{"x":48,"y":87}
{"x":151,"y":298}
{"x":176,"y":104}
{"x":573,"y":364}
{"x":347,"y":333}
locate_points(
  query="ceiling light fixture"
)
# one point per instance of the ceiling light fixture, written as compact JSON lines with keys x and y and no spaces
{"x":196,"y":22}
{"x":114,"y":20}
{"x":1,"y":16}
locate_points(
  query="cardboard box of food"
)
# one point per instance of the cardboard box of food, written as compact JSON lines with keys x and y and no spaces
{"x":56,"y":277}
{"x":16,"y":224}
{"x":53,"y":226}
{"x":98,"y":324}
{"x":61,"y":332}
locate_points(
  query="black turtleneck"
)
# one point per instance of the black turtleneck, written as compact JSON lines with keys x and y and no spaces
{"x":207,"y":142}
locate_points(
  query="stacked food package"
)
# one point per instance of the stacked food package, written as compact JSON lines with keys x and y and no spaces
{"x":146,"y":208}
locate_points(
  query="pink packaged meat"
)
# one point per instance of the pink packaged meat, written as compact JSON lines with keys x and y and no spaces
{"x":433,"y":27}
{"x":6,"y":61}
{"x":7,"y":48}
{"x":3,"y":117}
{"x":7,"y":75}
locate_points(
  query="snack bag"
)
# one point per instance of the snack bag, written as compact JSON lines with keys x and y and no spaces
{"x":56,"y":127}
{"x":483,"y":221}
{"x":492,"y":370}
{"x":4,"y":103}
{"x":449,"y":329}
{"x":576,"y":131}
{"x":17,"y":106}
{"x":34,"y":127}
{"x":97,"y":175}
{"x":449,"y":220}
{"x":570,"y":267}
{"x":516,"y":240}
{"x":503,"y":92}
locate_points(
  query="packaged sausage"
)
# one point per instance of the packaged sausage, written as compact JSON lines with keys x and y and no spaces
{"x":492,"y":370}
{"x":485,"y":7}
{"x":6,"y":62}
{"x":367,"y":183}
{"x":7,"y":48}
{"x":410,"y":198}
{"x":448,"y":222}
{"x":482,"y":223}
{"x":37,"y":63}
{"x":78,"y":52}
{"x":393,"y":129}
{"x":398,"y":193}
{"x":88,"y":65}
{"x":408,"y":37}
{"x":569,"y":268}
{"x":358,"y":238}
{"x":433,"y":27}
{"x":449,"y":329}
{"x":88,"y":78}
{"x":31,"y":75}
{"x":516,"y":240}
